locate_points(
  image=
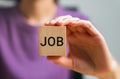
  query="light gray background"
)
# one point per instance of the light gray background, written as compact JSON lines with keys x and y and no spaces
{"x":104,"y":14}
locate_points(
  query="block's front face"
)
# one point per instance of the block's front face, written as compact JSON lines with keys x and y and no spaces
{"x":52,"y":41}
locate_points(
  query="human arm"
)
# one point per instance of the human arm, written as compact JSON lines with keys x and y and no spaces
{"x":88,"y":51}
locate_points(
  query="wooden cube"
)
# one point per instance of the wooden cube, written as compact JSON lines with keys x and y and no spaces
{"x":52,"y":41}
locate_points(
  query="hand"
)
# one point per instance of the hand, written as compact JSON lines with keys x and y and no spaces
{"x":88,"y":52}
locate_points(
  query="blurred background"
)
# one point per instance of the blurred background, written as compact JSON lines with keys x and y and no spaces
{"x":104,"y":14}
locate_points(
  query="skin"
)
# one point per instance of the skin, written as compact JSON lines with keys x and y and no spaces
{"x":36,"y":12}
{"x":88,"y":51}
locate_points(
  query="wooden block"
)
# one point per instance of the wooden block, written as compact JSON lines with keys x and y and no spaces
{"x":52,"y":41}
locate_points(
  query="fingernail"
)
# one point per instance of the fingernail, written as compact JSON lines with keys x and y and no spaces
{"x":47,"y":22}
{"x":53,"y":21}
{"x":74,"y":22}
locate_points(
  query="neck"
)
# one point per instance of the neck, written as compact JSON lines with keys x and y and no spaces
{"x":37,"y":11}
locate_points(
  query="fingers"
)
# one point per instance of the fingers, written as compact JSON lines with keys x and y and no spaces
{"x":62,"y":61}
{"x":89,"y":27}
{"x":74,"y":24}
{"x":83,"y":25}
{"x":60,"y":21}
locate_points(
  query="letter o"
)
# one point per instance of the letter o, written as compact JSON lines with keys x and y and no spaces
{"x":49,"y":41}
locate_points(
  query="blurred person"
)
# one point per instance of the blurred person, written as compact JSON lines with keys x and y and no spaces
{"x":88,"y":51}
{"x":19,"y":40}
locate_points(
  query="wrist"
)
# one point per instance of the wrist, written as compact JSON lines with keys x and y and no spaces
{"x":112,"y":74}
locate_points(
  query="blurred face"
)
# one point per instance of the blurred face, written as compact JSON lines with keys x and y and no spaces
{"x":39,"y":0}
{"x":43,"y":2}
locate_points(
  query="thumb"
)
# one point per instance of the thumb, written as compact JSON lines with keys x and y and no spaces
{"x":62,"y":61}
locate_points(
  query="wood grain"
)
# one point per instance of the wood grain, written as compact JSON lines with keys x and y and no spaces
{"x":55,"y":35}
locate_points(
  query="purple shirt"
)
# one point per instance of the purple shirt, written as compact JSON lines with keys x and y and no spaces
{"x":19,"y":57}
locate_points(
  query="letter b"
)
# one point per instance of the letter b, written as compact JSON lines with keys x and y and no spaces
{"x":59,"y":41}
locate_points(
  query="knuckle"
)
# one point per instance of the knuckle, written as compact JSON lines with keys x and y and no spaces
{"x":76,"y":17}
{"x":88,"y":24}
{"x":69,"y":16}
